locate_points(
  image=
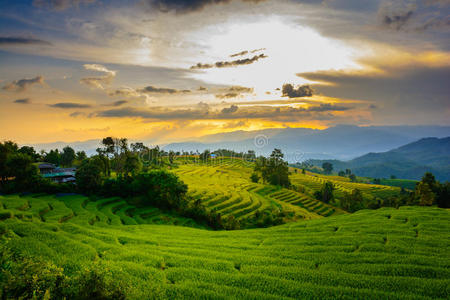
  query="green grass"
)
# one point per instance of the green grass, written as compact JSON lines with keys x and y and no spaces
{"x":371,"y":254}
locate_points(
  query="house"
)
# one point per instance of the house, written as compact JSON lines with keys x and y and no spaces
{"x":56,"y":174}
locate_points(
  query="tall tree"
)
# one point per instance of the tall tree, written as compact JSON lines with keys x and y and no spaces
{"x":67,"y":156}
{"x":327,"y":167}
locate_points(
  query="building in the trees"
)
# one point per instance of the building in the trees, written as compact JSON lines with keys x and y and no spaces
{"x":56,"y":174}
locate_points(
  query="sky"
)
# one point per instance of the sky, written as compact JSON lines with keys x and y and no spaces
{"x":165,"y":71}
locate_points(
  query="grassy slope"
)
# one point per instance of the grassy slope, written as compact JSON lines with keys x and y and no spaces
{"x":387,"y":253}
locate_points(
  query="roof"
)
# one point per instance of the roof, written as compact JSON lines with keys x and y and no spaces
{"x":46,"y":166}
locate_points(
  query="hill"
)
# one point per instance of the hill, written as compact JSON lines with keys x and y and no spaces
{"x":410,"y":161}
{"x":387,"y":253}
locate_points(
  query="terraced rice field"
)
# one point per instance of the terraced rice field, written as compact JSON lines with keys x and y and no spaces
{"x":78,"y":209}
{"x":372,"y":254}
{"x":312,"y":182}
{"x":225,"y":187}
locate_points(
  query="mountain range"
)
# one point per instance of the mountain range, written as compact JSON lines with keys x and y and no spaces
{"x":410,"y":161}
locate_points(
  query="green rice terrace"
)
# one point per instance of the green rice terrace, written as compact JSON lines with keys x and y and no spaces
{"x":385,"y":254}
{"x":226,"y":188}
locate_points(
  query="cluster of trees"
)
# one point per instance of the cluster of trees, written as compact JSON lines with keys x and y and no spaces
{"x":273,"y":170}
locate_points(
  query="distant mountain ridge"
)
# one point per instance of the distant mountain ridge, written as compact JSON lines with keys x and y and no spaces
{"x":338,"y":142}
{"x":410,"y":161}
{"x":342,"y":142}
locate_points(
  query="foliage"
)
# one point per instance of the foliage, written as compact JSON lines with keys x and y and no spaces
{"x":67,"y":156}
{"x":254,"y":177}
{"x":274,"y":169}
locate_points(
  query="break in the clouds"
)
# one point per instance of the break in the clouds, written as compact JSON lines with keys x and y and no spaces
{"x":23,"y":101}
{"x":69,"y":105}
{"x":288,"y":90}
{"x":228,"y":64}
{"x":23,"y":84}
{"x":99,"y":81}
{"x":11,"y":40}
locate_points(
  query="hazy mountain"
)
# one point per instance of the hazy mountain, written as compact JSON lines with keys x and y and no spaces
{"x":410,"y":161}
{"x":339,"y":142}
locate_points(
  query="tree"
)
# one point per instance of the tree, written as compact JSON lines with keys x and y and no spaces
{"x":171,"y":157}
{"x":53,"y":157}
{"x":67,"y":156}
{"x":424,"y":194}
{"x":274,"y":170}
{"x":80,"y":156}
{"x":348,"y":171}
{"x":160,"y":188}
{"x":352,"y":177}
{"x":108,"y":143}
{"x":88,"y":177}
{"x":205,"y":156}
{"x":6,"y":149}
{"x":443,"y":196}
{"x":341,"y":173}
{"x":393,"y":177}
{"x":326,"y":193}
{"x":133,"y":164}
{"x":352,"y":202}
{"x":254,"y":178}
{"x":327,"y":167}
{"x":30,"y":152}
{"x":22,"y":169}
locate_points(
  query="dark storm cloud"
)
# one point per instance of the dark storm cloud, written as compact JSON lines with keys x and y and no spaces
{"x":23,"y":101}
{"x":185,"y":6}
{"x":328,"y":107}
{"x":203,"y":111}
{"x":59,"y":5}
{"x":234,"y":91}
{"x":9,"y":40}
{"x":288,"y":90}
{"x":229,"y":110}
{"x":245,"y":52}
{"x":395,"y":18}
{"x":202,"y":88}
{"x":228,"y":64}
{"x":22,"y":84}
{"x":120,"y":102}
{"x":158,"y":90}
{"x":227,"y":95}
{"x":69,"y":105}
{"x":412,"y":87}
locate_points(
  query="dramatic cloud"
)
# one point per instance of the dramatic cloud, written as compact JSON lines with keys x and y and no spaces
{"x":245,"y":52}
{"x":119,"y":103}
{"x":408,"y":89}
{"x":230,"y":110}
{"x":59,"y":5}
{"x":69,"y":105}
{"x":234,"y":91}
{"x":395,"y":15}
{"x":100,"y":81}
{"x":152,"y":89}
{"x":22,"y":41}
{"x":288,"y":90}
{"x":22,"y":84}
{"x":23,"y":101}
{"x":184,"y":6}
{"x":203,"y":111}
{"x":228,"y":64}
